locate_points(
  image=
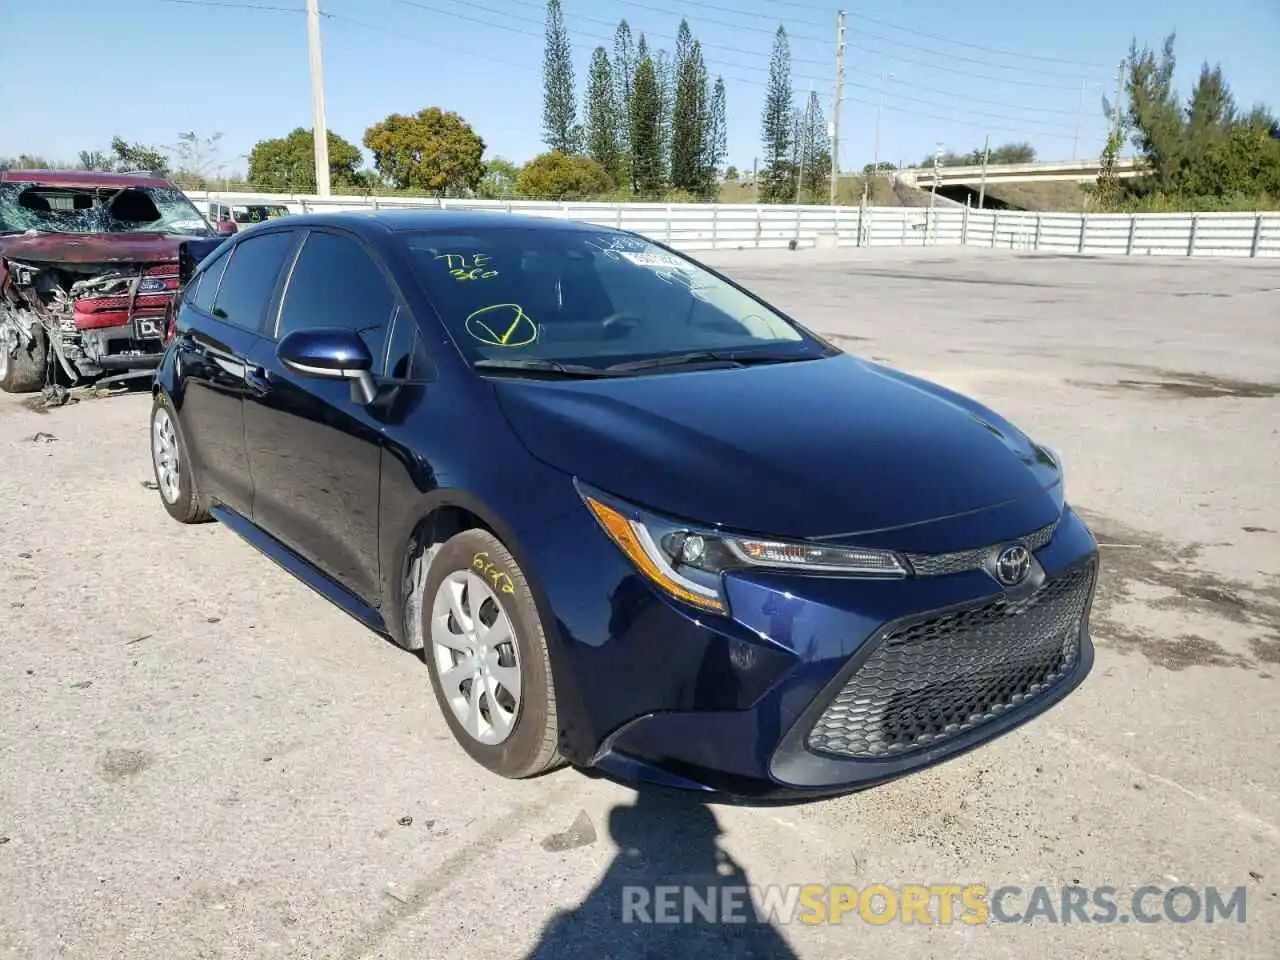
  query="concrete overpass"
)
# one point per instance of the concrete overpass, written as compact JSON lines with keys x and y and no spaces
{"x":1078,"y":171}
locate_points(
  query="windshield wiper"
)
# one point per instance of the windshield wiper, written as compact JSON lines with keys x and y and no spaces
{"x":554,"y":367}
{"x":739,"y":358}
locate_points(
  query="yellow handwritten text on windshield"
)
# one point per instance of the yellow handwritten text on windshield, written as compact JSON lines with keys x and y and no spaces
{"x":462,"y":267}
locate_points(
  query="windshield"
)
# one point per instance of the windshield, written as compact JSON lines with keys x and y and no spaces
{"x":62,"y":209}
{"x":586,"y":298}
{"x":258,"y":212}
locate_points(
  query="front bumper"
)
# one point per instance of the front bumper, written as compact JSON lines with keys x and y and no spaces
{"x":828,"y":685}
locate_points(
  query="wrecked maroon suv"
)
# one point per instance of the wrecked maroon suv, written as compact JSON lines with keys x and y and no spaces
{"x":88,"y":268}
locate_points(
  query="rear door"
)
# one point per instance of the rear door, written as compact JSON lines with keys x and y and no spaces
{"x":314,"y":453}
{"x":219,"y":322}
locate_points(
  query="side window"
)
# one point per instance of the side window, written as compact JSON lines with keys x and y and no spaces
{"x":250,"y":279}
{"x":407,"y":357}
{"x":209,"y":277}
{"x":336,"y":284}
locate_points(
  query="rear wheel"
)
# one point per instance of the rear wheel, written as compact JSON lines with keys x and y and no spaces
{"x":22,"y":366}
{"x":174,"y":478}
{"x":487,"y":655}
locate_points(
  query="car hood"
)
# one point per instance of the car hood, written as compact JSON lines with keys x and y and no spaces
{"x":835,"y":448}
{"x":91,"y":247}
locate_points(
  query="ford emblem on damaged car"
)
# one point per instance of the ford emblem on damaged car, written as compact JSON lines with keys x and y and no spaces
{"x":1012,"y":565}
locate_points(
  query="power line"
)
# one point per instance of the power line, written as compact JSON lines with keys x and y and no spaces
{"x":710,"y":45}
{"x":949,"y":55}
{"x":1036,"y":126}
{"x":1093,"y":64}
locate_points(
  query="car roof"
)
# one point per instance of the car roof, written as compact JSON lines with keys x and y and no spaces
{"x":383,"y":222}
{"x":83,"y":178}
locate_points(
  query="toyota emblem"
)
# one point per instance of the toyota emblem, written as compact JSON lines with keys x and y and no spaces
{"x":1013,"y":564}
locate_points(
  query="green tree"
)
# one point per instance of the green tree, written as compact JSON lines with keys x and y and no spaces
{"x":624,"y":73}
{"x":557,"y":176}
{"x":1153,"y":114}
{"x":731,"y":173}
{"x":559,"y":107}
{"x":664,"y":69}
{"x":646,"y":129}
{"x":288,"y":163}
{"x":691,"y":117}
{"x":433,"y":150}
{"x":499,"y":181}
{"x":602,"y":117}
{"x":813,"y":149}
{"x":777,"y":177}
{"x":135,"y":156}
{"x":717,"y":141}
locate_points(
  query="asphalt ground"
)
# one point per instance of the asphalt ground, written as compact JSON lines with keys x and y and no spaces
{"x":200,"y":758}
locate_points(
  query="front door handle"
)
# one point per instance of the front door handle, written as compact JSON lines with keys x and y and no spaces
{"x":257,"y":378}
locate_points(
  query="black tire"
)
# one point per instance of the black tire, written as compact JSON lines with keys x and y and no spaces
{"x":187,"y":506}
{"x":531,"y":747}
{"x":24,"y":371}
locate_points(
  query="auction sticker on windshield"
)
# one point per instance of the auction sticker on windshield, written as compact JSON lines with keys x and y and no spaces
{"x":662,"y":261}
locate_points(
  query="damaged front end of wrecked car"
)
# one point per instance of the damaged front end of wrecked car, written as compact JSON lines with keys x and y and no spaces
{"x":89,"y":319}
{"x":89,"y":266}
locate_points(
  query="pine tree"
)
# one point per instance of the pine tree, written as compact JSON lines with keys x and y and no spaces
{"x":777,"y":122}
{"x":559,"y":109}
{"x":814,"y":149}
{"x":717,"y":138}
{"x":664,"y":70}
{"x":624,"y":73}
{"x":646,"y":129}
{"x":690,"y":115}
{"x":602,"y":116}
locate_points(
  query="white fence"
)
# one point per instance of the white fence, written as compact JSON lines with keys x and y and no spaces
{"x":728,"y":226}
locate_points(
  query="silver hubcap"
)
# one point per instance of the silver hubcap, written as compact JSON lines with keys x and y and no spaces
{"x":476,"y":657}
{"x":164,"y":452}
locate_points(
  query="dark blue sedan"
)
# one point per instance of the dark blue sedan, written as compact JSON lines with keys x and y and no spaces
{"x":633,"y":517}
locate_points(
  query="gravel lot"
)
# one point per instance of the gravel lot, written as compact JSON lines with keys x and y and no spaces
{"x":200,"y":758}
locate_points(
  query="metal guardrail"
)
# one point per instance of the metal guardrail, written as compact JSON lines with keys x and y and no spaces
{"x":730,"y":226}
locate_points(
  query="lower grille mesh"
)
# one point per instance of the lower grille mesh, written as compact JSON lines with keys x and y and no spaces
{"x":929,"y":681}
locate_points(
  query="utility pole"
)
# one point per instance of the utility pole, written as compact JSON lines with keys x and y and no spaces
{"x":1075,"y":140}
{"x":838,"y":107}
{"x":986,"y":155}
{"x":937,"y":172}
{"x":320,"y":130}
{"x":1115,"y":107}
{"x":875,"y":153}
{"x":804,"y":142}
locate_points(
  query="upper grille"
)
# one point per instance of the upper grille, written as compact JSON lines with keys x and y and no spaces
{"x":929,"y":681}
{"x":938,"y":564}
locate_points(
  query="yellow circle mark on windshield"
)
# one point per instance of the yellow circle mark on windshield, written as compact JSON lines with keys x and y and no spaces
{"x":502,"y":325}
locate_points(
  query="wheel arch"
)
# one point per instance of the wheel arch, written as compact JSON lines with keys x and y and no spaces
{"x":443,"y":514}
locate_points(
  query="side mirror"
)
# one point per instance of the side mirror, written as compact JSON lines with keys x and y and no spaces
{"x":226,"y":227}
{"x":331,"y":353}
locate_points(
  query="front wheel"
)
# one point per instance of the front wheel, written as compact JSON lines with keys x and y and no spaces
{"x":487,"y":655}
{"x":174,"y":477}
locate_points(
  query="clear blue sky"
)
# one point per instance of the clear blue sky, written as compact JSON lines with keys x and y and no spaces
{"x":77,"y":72}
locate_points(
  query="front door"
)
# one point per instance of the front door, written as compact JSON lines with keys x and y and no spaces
{"x":314,"y":452}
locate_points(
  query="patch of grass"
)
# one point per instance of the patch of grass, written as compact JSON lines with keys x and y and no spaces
{"x":1056,"y":196}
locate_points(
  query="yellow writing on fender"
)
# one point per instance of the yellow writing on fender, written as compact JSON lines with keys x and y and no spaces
{"x":881,"y":904}
{"x":501,"y":581}
{"x":462,"y":268}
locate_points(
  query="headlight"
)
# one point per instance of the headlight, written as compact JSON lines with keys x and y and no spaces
{"x":687,"y":561}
